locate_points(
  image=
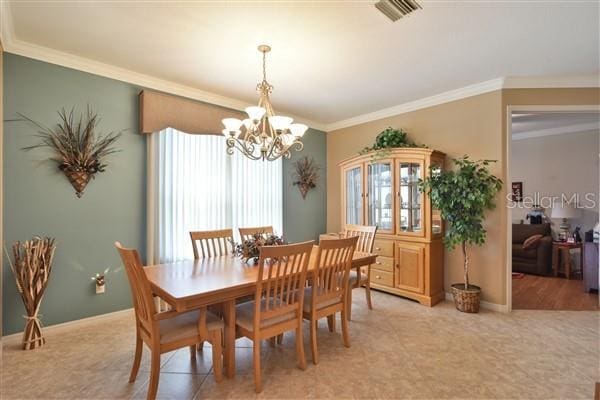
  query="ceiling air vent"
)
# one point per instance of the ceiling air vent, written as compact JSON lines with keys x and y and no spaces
{"x":396,"y":9}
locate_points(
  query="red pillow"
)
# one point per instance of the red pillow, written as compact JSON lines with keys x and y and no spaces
{"x":532,"y":242}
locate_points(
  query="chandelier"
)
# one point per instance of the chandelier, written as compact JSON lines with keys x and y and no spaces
{"x":263,"y":135}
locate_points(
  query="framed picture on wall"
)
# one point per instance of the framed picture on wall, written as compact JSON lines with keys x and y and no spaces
{"x":517,"y":192}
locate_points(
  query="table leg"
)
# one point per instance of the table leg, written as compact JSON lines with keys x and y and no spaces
{"x":568,"y":264}
{"x":229,"y":350}
{"x":555,"y":259}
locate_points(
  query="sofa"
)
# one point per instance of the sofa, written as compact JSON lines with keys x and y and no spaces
{"x":537,"y":259}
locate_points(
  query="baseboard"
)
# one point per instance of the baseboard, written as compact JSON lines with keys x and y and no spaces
{"x":503,"y":308}
{"x":70,"y":324}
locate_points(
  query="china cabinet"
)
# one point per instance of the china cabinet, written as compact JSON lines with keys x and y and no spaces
{"x":384,"y":192}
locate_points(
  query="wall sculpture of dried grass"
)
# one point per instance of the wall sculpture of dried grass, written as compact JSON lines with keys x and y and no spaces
{"x":78,"y":149}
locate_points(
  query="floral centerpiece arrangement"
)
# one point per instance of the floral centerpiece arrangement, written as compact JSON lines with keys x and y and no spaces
{"x":249,"y":249}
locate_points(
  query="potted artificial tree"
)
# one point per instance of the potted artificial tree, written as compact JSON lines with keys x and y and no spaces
{"x":463,"y":196}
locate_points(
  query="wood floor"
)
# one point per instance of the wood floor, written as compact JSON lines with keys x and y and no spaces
{"x":533,"y":292}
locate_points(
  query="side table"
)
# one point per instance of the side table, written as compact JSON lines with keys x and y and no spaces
{"x":557,"y":249}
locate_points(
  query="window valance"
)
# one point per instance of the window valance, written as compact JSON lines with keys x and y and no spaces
{"x":159,"y":111}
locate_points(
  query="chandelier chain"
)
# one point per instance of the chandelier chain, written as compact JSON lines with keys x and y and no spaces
{"x":264,"y":66}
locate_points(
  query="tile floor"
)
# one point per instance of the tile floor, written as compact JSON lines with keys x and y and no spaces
{"x":399,"y":350}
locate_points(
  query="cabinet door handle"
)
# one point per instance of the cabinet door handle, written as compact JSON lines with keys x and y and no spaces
{"x":378,"y":276}
{"x":378,"y":262}
{"x":377,"y":248}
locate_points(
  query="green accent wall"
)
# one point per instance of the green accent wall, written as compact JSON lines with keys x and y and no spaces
{"x":39,"y":200}
{"x":306,"y":219}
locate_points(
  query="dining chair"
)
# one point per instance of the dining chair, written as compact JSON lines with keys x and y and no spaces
{"x":212,"y":243}
{"x":366,"y":239}
{"x":166,"y":331}
{"x":329,"y":283}
{"x":247,"y":233}
{"x":278,"y":299}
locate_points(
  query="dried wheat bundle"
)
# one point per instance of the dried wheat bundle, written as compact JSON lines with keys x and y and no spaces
{"x":31,"y":268}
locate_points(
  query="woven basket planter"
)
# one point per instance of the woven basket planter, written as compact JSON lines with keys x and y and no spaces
{"x":79,"y":180}
{"x":466,"y":300}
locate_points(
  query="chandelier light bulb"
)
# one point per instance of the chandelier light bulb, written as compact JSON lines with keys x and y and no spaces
{"x":298,"y":130}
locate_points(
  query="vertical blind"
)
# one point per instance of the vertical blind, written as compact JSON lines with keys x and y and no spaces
{"x":198,"y":186}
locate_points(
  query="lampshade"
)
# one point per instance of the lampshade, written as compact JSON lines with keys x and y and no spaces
{"x":280,"y":123}
{"x":255,"y":113}
{"x":248,"y":123}
{"x":298,"y":129}
{"x":565,"y":210}
{"x":287,"y":139}
{"x":232,"y":124}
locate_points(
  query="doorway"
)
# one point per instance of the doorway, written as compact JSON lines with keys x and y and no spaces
{"x":554,"y":184}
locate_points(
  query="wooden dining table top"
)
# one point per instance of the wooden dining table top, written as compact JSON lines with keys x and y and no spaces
{"x":216,"y":278}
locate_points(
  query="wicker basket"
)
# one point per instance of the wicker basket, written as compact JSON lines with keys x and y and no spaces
{"x":466,"y":300}
{"x":79,"y":180}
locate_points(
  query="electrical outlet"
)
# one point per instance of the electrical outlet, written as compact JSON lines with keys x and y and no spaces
{"x":100,"y":288}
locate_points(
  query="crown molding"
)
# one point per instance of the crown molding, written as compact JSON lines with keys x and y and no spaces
{"x":445,"y":97}
{"x":584,"y":81}
{"x":15,"y":46}
{"x":552,"y":82}
{"x":577,"y":128}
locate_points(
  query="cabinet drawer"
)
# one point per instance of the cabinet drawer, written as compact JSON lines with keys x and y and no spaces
{"x":384,"y":247}
{"x":384,"y":263}
{"x":382,"y":277}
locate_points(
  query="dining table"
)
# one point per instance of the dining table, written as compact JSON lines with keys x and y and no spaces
{"x":192,"y":284}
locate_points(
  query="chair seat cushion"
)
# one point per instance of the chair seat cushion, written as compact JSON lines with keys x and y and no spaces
{"x":186,"y":325}
{"x":354,"y":275}
{"x":244,"y":316}
{"x":308,"y":300}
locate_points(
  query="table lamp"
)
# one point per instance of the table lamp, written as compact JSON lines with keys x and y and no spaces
{"x":565,"y":211}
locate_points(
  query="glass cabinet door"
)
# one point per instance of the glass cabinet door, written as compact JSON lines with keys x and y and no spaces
{"x":354,"y":192}
{"x":436,"y":215}
{"x":380,"y":205}
{"x":409,"y":197}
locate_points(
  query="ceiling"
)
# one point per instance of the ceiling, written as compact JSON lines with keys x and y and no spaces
{"x":527,"y":125}
{"x":331,"y":60}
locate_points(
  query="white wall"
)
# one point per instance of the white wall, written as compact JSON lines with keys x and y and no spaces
{"x":552,"y":165}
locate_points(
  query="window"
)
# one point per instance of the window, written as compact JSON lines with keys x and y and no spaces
{"x":198,"y":186}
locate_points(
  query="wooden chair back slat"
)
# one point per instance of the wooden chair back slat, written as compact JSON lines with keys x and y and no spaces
{"x":247,"y":233}
{"x":212,"y":243}
{"x":281,"y":279}
{"x":141,"y":292}
{"x":332,"y":272}
{"x":366,"y":236}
